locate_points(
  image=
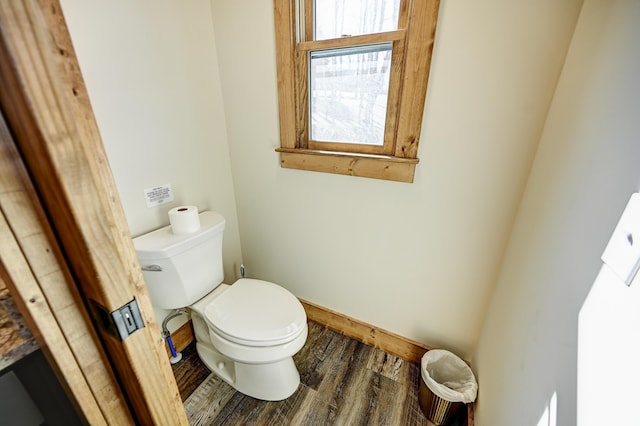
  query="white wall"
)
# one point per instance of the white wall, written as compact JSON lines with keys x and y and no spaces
{"x":420,"y":259}
{"x":417,"y":259}
{"x":585,"y":170}
{"x":152,"y":75}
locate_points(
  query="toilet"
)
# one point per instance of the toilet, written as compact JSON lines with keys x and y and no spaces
{"x":246,"y":332}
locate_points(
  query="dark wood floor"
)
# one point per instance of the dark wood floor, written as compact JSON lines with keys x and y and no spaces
{"x":343,"y":382}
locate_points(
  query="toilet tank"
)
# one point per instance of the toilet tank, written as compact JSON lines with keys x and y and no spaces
{"x":180,"y":269}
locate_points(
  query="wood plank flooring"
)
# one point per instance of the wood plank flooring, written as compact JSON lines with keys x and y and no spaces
{"x":343,"y":382}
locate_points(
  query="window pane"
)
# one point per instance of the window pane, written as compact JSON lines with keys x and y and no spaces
{"x":339,"y":18}
{"x":349,"y":89}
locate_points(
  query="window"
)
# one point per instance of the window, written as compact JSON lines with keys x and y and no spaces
{"x":352,"y":81}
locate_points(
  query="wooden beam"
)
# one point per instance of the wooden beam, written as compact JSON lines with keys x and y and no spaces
{"x":33,"y":269}
{"x":46,"y":105}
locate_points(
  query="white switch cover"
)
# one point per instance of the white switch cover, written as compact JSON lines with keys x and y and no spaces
{"x":623,"y":251}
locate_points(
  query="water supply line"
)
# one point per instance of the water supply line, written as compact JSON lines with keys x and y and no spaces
{"x":175,"y":356}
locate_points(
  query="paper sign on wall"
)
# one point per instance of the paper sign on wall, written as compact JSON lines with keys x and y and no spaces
{"x":158,"y":195}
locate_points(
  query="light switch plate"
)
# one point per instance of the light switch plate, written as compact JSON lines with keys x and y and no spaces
{"x":623,"y":251}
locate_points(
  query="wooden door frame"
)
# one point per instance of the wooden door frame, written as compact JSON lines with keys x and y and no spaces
{"x":66,"y":252}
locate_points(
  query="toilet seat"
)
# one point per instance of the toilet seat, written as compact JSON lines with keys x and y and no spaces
{"x":256,"y":313}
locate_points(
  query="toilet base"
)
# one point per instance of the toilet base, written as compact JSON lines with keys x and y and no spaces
{"x":270,"y":382}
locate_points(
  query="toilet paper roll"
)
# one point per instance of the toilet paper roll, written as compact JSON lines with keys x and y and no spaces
{"x":184,"y":220}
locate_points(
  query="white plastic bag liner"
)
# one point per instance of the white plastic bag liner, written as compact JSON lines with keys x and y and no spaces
{"x":448,"y":377}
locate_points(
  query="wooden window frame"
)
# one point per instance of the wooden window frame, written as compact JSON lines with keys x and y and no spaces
{"x":411,"y":59}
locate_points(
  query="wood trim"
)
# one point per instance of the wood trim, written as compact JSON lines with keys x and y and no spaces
{"x":418,"y":52}
{"x":409,"y":350}
{"x":41,"y":286}
{"x":47,"y":109}
{"x":470,"y":414}
{"x":284,"y":12}
{"x":393,"y":100}
{"x":411,"y":60}
{"x":403,"y":14}
{"x":368,"y":334}
{"x":346,"y":148}
{"x":182,"y":337}
{"x":378,"y":167}
{"x":349,"y":154}
{"x":308,"y":12}
{"x":351,"y":41}
{"x":302,"y":94}
{"x":394,"y":344}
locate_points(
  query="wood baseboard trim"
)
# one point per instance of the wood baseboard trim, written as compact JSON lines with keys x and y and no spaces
{"x":371,"y":335}
{"x":368,"y":334}
{"x":182,"y":337}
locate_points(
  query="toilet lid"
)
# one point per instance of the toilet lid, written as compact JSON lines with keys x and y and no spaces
{"x":256,"y":313}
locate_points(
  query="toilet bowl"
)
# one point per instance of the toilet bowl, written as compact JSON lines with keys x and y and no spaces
{"x":247,"y":332}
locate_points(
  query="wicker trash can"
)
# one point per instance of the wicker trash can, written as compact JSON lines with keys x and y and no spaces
{"x":447,"y":385}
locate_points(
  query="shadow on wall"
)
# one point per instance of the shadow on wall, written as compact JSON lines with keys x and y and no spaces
{"x":608,"y":344}
{"x":549,"y":416}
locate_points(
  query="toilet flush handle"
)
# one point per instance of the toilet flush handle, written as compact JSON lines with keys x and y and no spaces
{"x":152,"y":268}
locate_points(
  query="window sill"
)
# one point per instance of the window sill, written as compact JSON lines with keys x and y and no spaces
{"x":362,"y":165}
